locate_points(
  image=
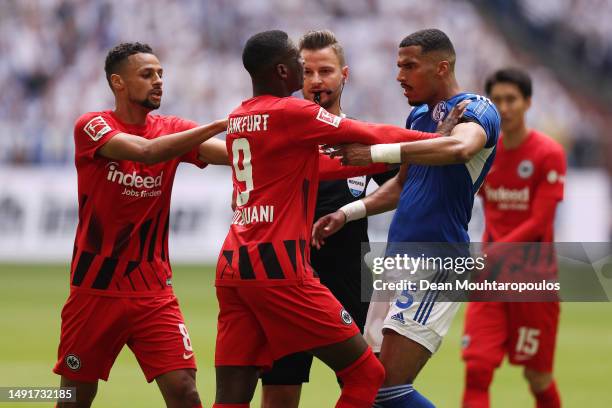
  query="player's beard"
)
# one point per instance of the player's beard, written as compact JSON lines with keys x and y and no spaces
{"x":146,"y":103}
{"x":414,"y":102}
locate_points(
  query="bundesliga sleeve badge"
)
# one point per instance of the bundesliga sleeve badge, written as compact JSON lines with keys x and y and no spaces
{"x":96,"y":128}
{"x":329,"y":118}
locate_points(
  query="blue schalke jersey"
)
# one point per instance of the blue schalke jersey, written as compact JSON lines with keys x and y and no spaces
{"x":436,"y":201}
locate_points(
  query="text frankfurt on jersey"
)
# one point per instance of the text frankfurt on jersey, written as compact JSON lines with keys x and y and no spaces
{"x":248,"y":123}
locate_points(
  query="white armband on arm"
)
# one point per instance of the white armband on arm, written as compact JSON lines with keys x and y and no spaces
{"x":386,"y":153}
{"x":354,"y":211}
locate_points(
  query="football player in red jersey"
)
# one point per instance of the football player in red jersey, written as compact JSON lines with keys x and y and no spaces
{"x":339,"y":262}
{"x":520,"y":196}
{"x":121,"y":279}
{"x":270,"y":299}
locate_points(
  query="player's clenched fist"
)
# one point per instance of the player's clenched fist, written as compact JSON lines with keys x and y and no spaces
{"x":326,"y":226}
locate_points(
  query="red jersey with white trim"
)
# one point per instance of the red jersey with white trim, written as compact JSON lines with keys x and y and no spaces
{"x":121,"y":245}
{"x":535,"y":169}
{"x":273,"y":144}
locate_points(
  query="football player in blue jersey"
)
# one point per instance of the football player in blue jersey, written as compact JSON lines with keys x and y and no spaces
{"x":433,"y":193}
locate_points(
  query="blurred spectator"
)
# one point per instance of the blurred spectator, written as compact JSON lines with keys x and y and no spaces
{"x":53,"y":52}
{"x":588,"y":18}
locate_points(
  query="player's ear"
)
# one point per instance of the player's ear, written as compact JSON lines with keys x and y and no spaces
{"x":443,"y":68}
{"x":117,"y":82}
{"x":528,"y":102}
{"x":282,"y":71}
{"x":345,"y":74}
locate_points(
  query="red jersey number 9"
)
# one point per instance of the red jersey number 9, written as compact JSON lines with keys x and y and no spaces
{"x":244,"y":174}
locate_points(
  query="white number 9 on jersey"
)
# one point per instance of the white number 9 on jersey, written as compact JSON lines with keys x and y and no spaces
{"x":246,"y":173}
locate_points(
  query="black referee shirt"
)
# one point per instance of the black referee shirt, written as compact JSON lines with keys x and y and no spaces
{"x":338,"y":262}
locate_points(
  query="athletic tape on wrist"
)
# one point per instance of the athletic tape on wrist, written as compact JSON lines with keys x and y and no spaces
{"x":386,"y":153}
{"x":354,"y":210}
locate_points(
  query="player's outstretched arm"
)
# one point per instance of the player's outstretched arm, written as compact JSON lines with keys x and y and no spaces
{"x":313,"y":125}
{"x":331,"y":169}
{"x":385,"y":198}
{"x":465,"y":141}
{"x":214,"y":151}
{"x":124,"y":146}
{"x":442,"y":151}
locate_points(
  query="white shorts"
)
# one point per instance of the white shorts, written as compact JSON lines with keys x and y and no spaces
{"x":425,"y":322}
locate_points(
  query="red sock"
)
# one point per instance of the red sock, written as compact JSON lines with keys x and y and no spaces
{"x":549,"y":398}
{"x":477,"y":381}
{"x":361,"y":381}
{"x":217,"y":405}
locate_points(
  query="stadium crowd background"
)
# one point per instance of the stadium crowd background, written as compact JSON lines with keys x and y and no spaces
{"x":53,"y":52}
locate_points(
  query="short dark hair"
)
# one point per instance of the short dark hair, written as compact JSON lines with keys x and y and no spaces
{"x":319,"y":39}
{"x":265,"y":49}
{"x":118,"y":54}
{"x":430,"y":39}
{"x":514,"y":76}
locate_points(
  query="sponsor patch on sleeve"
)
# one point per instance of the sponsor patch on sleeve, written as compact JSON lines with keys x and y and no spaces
{"x":480,"y":109}
{"x":96,"y":128}
{"x":329,"y":118}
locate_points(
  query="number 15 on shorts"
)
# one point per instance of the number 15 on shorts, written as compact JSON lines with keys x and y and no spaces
{"x":528,"y":342}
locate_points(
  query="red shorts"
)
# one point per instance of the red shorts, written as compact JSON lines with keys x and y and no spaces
{"x":525,"y":331}
{"x":258,"y":325}
{"x":95,"y":329}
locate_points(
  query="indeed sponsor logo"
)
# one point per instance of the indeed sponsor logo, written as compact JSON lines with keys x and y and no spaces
{"x":502,"y":194}
{"x":132,"y":179}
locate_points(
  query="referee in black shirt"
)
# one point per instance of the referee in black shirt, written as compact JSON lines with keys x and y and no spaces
{"x":339,"y":261}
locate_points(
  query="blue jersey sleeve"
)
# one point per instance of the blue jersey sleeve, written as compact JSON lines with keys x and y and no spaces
{"x":414,"y":114}
{"x":482,"y":111}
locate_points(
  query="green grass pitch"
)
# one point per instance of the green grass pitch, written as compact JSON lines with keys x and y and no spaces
{"x":31,"y":298}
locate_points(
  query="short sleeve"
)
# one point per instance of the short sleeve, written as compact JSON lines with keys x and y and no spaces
{"x":91,"y":132}
{"x":192,"y":156}
{"x":482,"y":111}
{"x":552,"y":176}
{"x":311,"y":124}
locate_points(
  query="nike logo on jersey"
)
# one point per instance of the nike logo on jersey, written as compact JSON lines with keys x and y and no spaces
{"x":187,"y":356}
